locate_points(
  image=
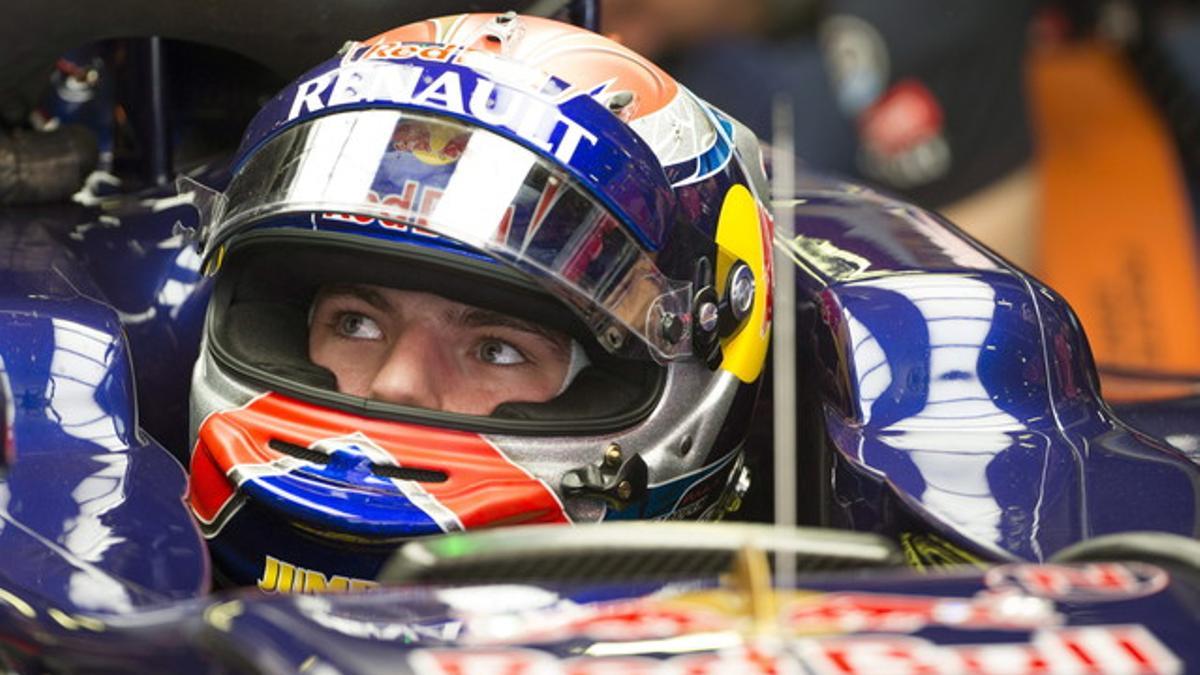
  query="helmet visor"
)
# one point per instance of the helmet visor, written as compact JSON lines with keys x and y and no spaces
{"x":399,"y":174}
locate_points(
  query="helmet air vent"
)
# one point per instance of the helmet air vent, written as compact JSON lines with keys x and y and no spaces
{"x":383,"y":470}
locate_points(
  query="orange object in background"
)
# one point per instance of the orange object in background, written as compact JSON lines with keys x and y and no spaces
{"x":1117,"y":236}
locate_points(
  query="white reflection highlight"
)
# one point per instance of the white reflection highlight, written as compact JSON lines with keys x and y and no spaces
{"x":184,"y":275}
{"x":176,"y":291}
{"x":81,"y":361}
{"x":90,"y":590}
{"x":499,"y":598}
{"x":945,"y":240}
{"x":339,"y":162}
{"x":86,"y":535}
{"x":958,"y":432}
{"x":683,"y":644}
{"x":486,"y":180}
{"x":870,"y":365}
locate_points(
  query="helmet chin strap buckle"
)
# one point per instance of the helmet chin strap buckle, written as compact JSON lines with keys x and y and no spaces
{"x":614,"y":480}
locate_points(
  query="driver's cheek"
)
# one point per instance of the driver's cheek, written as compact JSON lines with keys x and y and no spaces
{"x":353,"y":363}
{"x":474,"y":387}
{"x":490,"y":385}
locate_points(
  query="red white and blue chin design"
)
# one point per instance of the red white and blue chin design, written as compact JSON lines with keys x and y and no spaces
{"x":295,"y":495}
{"x":348,"y":487}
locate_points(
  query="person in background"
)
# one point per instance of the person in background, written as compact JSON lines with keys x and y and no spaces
{"x":1027,"y":124}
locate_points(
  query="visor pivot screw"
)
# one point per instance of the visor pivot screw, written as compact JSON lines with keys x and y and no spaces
{"x":672,"y":327}
{"x":612,"y":454}
{"x":708,"y":316}
{"x":738,"y":300}
{"x":624,"y":490}
{"x":612,"y":338}
{"x":741,"y":291}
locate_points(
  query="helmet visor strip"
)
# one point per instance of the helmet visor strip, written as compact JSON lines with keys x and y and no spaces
{"x":398,"y":174}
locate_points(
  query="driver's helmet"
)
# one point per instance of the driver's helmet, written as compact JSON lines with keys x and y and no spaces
{"x":515,"y":167}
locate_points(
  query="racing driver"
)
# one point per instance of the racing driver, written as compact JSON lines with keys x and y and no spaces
{"x":475,"y":271}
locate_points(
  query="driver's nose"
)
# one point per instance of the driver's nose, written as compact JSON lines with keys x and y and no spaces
{"x":415,"y":370}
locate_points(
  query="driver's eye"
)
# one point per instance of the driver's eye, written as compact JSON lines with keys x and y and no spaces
{"x":500,"y":353}
{"x":358,"y":326}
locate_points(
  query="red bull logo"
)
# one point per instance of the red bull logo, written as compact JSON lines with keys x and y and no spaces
{"x":1091,"y":582}
{"x":864,"y":612}
{"x":400,"y":50}
{"x":1099,"y":650}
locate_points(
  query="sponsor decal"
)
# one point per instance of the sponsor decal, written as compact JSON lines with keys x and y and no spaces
{"x":437,"y":53}
{"x":800,"y":614}
{"x":432,"y":144}
{"x":766,"y":223}
{"x":448,"y":90}
{"x":1092,"y":582}
{"x":902,"y":139}
{"x":610,"y":622}
{"x":617,"y":621}
{"x":1092,"y":649}
{"x":863,"y":612}
{"x":415,"y":202}
{"x":280,"y":576}
{"x":703,"y":493}
{"x":922,"y":551}
{"x":413,"y":198}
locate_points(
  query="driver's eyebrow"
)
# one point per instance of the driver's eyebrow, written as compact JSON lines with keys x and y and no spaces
{"x":364,"y":293}
{"x":475,"y":317}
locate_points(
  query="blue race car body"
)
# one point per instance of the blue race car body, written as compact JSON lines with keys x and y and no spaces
{"x":944,"y":399}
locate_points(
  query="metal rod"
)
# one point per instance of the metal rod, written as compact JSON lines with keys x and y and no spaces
{"x":155,"y":134}
{"x":783,"y":183}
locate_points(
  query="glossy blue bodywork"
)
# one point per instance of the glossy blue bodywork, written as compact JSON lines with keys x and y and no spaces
{"x":960,"y":393}
{"x":91,"y":511}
